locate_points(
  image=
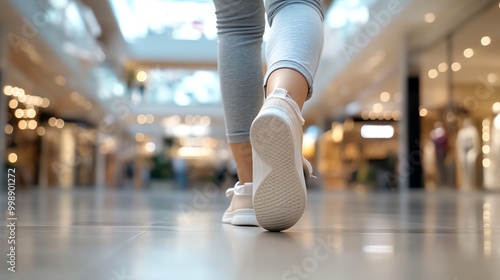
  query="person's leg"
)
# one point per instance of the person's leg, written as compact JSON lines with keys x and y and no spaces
{"x":294,"y":46}
{"x":292,"y":52}
{"x":290,"y":80}
{"x":240,"y":25}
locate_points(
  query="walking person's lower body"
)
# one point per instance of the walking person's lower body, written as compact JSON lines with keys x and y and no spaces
{"x":266,"y":139}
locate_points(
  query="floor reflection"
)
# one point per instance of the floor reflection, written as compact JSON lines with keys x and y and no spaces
{"x":87,"y":234}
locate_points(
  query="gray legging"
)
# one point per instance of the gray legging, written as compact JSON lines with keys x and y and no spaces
{"x":295,"y":42}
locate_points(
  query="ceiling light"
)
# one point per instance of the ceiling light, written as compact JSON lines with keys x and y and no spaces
{"x":22,"y":124}
{"x":40,"y":131}
{"x":337,"y":132}
{"x":150,"y":118}
{"x":60,"y":80}
{"x":486,"y":137}
{"x":486,"y":149}
{"x":429,"y":17}
{"x":32,"y":124}
{"x":45,"y":102}
{"x":9,"y":129}
{"x":486,"y":40}
{"x":486,"y":163}
{"x":442,"y":67}
{"x":496,"y":107}
{"x":385,"y":96}
{"x":7,"y":90}
{"x":365,"y":115}
{"x":372,"y":115}
{"x":492,"y":78}
{"x":12,"y":157}
{"x":387,"y":115}
{"x":19,"y":113}
{"x":13,"y":104}
{"x":37,"y":101}
{"x":150,"y":147}
{"x":20,"y":92}
{"x":52,"y":121}
{"x":468,"y":53}
{"x":141,"y":76}
{"x":141,"y":119}
{"x":378,"y":108}
{"x":197,"y":119}
{"x":171,"y":121}
{"x":31,"y":113}
{"x":433,"y":73}
{"x":423,"y":112}
{"x":377,"y":131}
{"x":456,"y":66}
{"x":396,"y":115}
{"x":139,"y":137}
{"x":194,"y":152}
{"x":14,"y":91}
{"x":205,"y":121}
{"x":60,"y":123}
{"x":22,"y":98}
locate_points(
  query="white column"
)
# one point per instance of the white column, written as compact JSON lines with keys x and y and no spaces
{"x":66,"y":162}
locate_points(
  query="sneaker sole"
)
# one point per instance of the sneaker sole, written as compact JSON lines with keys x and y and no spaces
{"x":240,"y":217}
{"x":280,"y":200}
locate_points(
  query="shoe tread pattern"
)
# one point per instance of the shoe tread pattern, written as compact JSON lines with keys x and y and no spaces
{"x":280,"y":200}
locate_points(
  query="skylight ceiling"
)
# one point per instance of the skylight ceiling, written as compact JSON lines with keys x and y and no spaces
{"x":171,"y":19}
{"x":176,"y":87}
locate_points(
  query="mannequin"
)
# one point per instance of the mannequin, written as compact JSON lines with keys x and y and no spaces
{"x":467,"y":147}
{"x":440,"y":139}
{"x":495,"y":147}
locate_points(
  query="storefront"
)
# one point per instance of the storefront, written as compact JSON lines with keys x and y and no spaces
{"x":449,"y":86}
{"x":460,"y":98}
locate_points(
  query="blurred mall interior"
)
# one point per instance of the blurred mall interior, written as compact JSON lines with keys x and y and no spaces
{"x":113,"y":123}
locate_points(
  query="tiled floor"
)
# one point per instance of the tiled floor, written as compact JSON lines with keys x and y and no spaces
{"x":127,"y":235}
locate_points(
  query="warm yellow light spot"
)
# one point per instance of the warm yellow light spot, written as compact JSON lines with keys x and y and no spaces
{"x":385,"y":96}
{"x":12,"y":157}
{"x":141,"y":76}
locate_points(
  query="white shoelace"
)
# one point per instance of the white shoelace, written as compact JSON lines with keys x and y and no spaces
{"x":239,"y":190}
{"x":309,"y":167}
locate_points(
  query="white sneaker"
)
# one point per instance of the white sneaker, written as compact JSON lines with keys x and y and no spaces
{"x":279,"y":196}
{"x":240,"y":212}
